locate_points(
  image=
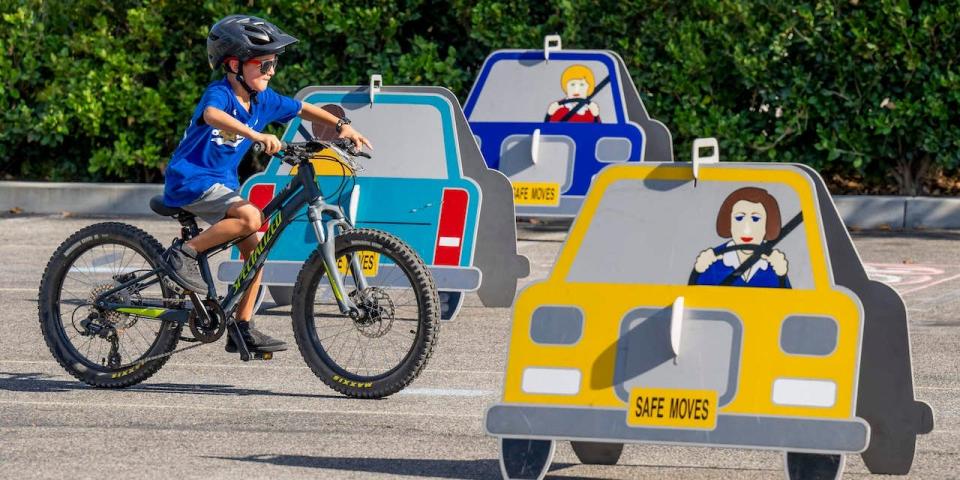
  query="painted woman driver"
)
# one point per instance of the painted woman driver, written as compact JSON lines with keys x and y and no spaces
{"x":749,"y":216}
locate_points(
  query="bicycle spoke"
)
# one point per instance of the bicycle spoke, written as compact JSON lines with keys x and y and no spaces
{"x":92,"y":272}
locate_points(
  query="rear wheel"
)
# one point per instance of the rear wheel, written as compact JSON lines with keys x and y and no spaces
{"x":261,"y":295}
{"x":597,"y":453}
{"x":450,"y":303}
{"x":386,"y":347}
{"x":282,"y":295}
{"x":813,"y":466}
{"x":100,"y":347}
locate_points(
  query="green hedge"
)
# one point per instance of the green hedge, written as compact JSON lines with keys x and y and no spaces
{"x":102,"y":90}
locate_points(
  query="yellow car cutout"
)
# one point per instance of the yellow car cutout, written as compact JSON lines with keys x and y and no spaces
{"x":731,"y":311}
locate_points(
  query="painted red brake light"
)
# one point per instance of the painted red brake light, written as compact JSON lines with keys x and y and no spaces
{"x":260,"y":195}
{"x":453,"y":219}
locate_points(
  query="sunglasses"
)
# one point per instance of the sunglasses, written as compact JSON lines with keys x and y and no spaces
{"x":265,"y":66}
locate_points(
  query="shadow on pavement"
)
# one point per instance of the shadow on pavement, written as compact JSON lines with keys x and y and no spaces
{"x":40,"y":382}
{"x":418,"y":467}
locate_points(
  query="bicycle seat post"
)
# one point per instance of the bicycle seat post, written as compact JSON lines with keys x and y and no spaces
{"x":189,"y":228}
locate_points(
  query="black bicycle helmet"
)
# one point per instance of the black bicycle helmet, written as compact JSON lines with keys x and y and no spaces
{"x":244,"y":37}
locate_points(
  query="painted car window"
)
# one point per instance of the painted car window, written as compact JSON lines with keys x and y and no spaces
{"x":632,"y":238}
{"x":567,"y":91}
{"x":414,"y":147}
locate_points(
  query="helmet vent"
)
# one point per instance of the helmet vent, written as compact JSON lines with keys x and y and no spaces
{"x":256,"y":35}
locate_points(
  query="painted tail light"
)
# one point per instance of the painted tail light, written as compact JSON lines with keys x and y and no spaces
{"x":453,"y":219}
{"x":260,"y":195}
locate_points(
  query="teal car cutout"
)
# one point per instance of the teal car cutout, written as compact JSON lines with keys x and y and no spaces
{"x":427,"y":184}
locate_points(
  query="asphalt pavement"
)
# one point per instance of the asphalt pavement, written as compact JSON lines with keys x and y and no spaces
{"x":208,"y":415}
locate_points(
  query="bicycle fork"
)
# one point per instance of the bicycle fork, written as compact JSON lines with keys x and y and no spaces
{"x":326,"y":237}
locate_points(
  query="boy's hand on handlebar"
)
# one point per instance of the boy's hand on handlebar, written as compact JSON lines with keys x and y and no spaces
{"x":359,"y":140}
{"x":271,"y":144}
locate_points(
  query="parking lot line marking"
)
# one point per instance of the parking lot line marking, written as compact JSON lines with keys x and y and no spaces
{"x":911,"y":290}
{"x":15,"y":289}
{"x":229,"y":409}
{"x":445,"y":392}
{"x":265,"y":367}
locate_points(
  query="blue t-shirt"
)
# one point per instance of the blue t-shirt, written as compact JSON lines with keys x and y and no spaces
{"x":206,"y":155}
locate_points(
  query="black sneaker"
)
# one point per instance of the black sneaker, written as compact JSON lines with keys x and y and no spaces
{"x":256,"y":340}
{"x":183,"y":268}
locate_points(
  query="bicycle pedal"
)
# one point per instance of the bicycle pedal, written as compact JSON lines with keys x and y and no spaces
{"x":261,"y":355}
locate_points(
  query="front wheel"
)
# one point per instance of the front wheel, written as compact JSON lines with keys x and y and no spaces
{"x":386,"y":347}
{"x":525,"y":459}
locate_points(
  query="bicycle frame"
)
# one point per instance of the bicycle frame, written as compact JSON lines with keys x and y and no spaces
{"x":280,"y":212}
{"x":302,"y":190}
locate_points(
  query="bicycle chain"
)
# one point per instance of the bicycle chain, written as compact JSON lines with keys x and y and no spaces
{"x":162,"y":355}
{"x":175,"y":301}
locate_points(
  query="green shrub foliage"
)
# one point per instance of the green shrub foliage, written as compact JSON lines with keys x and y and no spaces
{"x":103,"y":89}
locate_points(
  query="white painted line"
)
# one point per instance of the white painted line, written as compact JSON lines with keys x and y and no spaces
{"x":260,"y":366}
{"x":449,"y":242}
{"x":445,"y":392}
{"x":14,"y":289}
{"x":911,"y":290}
{"x":378,"y":413}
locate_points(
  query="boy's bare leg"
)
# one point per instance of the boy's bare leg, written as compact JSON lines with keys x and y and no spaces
{"x":243,"y":218}
{"x":245,"y":307}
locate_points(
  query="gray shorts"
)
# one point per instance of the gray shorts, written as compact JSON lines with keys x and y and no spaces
{"x":212,"y":206}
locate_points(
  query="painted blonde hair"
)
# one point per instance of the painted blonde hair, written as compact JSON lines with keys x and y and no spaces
{"x":577,"y":72}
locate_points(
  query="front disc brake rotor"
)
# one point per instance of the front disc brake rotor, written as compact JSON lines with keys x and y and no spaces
{"x":378,"y":312}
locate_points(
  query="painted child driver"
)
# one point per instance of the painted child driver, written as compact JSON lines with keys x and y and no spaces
{"x":748,"y":216}
{"x":202,"y":175}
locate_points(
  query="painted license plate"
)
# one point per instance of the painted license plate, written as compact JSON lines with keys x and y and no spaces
{"x":667,"y":407}
{"x":370,"y":261}
{"x":536,"y":193}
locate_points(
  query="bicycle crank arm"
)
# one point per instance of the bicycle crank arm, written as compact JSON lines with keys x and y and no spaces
{"x":245,"y":354}
{"x":234,"y":331}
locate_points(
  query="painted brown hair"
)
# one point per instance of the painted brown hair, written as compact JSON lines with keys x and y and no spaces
{"x":753,"y":195}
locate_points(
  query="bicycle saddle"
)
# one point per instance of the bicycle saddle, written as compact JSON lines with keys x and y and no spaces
{"x":156,"y":204}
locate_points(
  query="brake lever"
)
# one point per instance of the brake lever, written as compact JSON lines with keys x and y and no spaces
{"x":356,"y":152}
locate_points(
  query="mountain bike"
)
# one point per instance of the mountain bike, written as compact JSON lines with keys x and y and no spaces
{"x":112,"y":316}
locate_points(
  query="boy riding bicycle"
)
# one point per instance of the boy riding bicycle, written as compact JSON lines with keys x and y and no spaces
{"x":202,"y":175}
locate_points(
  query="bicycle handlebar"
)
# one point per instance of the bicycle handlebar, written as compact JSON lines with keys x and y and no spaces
{"x":344,"y":145}
{"x":298,"y":152}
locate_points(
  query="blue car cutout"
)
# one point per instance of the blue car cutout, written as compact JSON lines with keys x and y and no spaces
{"x":550,"y":120}
{"x":426,"y":183}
